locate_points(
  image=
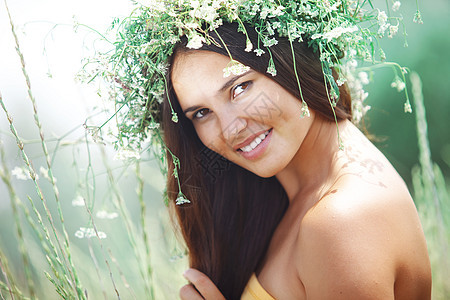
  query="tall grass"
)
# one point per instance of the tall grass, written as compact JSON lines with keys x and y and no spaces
{"x":98,"y":254}
{"x":432,"y":200}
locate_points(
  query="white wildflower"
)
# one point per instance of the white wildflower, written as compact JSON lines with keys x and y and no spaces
{"x":196,"y":41}
{"x":334,"y":96}
{"x":393,"y":29}
{"x":408,"y":108}
{"x":271,"y":68}
{"x":84,"y":232}
{"x":44,"y":173}
{"x":418,"y":17}
{"x":313,"y":13}
{"x":276,"y":25}
{"x":234,"y":67}
{"x":204,"y":12}
{"x":341,"y":80}
{"x":191,"y":25}
{"x":325,"y":56}
{"x":143,"y":49}
{"x":79,"y":234}
{"x":351,"y":53}
{"x":173,"y":39}
{"x":153,"y":4}
{"x":249,"y":46}
{"x":181,"y":199}
{"x":101,"y":235}
{"x":217,"y":23}
{"x":355,"y":83}
{"x":363,"y":77}
{"x":269,"y":29}
{"x":337,"y":32}
{"x":174,"y":117}
{"x":382,"y":54}
{"x":259,"y":52}
{"x":382,"y":22}
{"x":20,"y":173}
{"x":172,"y":13}
{"x":352,"y":64}
{"x":396,"y":5}
{"x":78,"y":201}
{"x":359,"y":110}
{"x":95,"y":134}
{"x":209,"y":14}
{"x":278,"y":11}
{"x":401,"y":86}
{"x":382,"y":17}
{"x":162,"y":67}
{"x":270,"y":42}
{"x":383,"y":29}
{"x":124,"y":154}
{"x":149,"y":129}
{"x":264,"y":12}
{"x":194,"y":4}
{"x":272,"y":71}
{"x":305,"y":110}
{"x":335,"y":5}
{"x":316,"y":36}
{"x":398,"y":84}
{"x":254,"y":10}
{"x":102,"y":214}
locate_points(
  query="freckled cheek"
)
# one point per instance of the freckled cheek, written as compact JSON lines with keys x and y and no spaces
{"x":267,"y":108}
{"x":211,"y":138}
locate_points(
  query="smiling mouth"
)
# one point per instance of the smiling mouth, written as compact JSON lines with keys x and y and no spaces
{"x":253,"y":144}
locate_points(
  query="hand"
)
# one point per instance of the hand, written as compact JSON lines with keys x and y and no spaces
{"x":200,"y":287}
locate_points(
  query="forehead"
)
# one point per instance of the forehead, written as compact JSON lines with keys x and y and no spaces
{"x":198,"y":62}
{"x":197,"y":75}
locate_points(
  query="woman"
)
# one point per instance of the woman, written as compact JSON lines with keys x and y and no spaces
{"x":288,"y":208}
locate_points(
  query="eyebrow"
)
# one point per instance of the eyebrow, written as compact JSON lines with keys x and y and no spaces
{"x":225,"y":86}
{"x":192,"y":108}
{"x":232,"y":80}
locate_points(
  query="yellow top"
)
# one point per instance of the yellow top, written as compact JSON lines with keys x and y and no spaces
{"x":254,"y":291}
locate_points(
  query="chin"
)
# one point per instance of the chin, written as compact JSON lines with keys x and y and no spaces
{"x":265,"y":172}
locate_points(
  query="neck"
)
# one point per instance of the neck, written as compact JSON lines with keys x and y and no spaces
{"x":312,"y":171}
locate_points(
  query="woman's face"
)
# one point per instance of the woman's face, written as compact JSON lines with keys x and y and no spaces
{"x":249,"y":119}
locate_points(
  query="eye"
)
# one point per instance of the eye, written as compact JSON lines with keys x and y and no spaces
{"x":238,"y":89}
{"x":201,"y":113}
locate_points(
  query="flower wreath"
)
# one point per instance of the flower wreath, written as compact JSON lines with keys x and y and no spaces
{"x":136,"y":69}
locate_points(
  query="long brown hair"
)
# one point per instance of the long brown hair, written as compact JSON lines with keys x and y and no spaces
{"x":233,"y":212}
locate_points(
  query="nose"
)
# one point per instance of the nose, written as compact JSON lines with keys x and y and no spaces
{"x":232,"y":124}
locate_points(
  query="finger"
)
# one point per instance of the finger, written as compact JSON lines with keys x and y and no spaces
{"x":203,"y":284}
{"x":188,"y":292}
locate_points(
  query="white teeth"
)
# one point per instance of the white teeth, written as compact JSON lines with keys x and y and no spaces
{"x":255,"y":142}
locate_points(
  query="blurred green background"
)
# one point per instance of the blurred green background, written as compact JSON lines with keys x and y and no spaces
{"x":53,"y":53}
{"x":428,"y":55}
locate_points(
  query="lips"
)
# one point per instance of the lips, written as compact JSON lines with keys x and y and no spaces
{"x":255,"y":145}
{"x":251,"y":139}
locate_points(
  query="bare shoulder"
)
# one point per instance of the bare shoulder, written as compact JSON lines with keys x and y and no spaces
{"x":363,"y":240}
